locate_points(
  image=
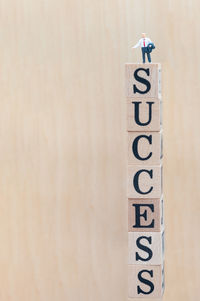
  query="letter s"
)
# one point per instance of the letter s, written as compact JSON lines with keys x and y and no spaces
{"x":141,"y":80}
{"x":145,"y":281}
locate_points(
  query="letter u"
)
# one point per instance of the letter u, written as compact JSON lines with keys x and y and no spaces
{"x":137,"y":112}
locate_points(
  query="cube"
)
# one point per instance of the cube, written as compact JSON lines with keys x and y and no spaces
{"x":146,"y":281}
{"x":144,"y":181}
{"x":145,"y":215}
{"x":143,"y":81}
{"x":146,"y":248}
{"x":144,"y":115}
{"x":144,"y":148}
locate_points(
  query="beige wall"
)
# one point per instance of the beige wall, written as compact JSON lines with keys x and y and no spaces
{"x":63,"y":209}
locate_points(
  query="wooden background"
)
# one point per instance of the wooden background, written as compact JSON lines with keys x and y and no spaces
{"x":63,"y":209}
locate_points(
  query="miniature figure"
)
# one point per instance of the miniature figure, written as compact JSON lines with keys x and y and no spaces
{"x":146,"y":46}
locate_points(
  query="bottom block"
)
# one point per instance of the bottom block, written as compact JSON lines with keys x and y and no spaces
{"x":145,"y":281}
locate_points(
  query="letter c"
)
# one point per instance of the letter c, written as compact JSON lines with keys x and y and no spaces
{"x":135,"y":147}
{"x":136,"y":180}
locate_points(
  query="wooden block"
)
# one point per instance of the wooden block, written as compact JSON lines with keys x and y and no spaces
{"x":145,"y":215}
{"x":146,"y":248}
{"x":145,"y":281}
{"x":144,"y":115}
{"x":144,"y":148}
{"x":143,"y":81}
{"x":144,"y":181}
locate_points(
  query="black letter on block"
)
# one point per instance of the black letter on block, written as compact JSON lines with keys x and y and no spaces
{"x":136,"y":180}
{"x":138,"y":215}
{"x":136,"y":112}
{"x":141,"y":80}
{"x":135,"y":147}
{"x":145,"y":281}
{"x":144,"y":248}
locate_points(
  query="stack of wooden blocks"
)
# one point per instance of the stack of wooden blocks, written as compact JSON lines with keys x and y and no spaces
{"x":145,"y":200}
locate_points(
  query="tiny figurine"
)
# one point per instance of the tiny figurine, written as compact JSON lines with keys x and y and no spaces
{"x":146,"y":46}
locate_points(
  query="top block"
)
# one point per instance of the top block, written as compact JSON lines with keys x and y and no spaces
{"x":143,"y":80}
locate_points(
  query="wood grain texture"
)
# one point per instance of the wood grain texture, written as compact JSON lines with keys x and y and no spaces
{"x":63,"y":225}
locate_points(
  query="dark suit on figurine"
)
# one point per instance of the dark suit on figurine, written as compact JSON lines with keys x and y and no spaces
{"x":144,"y":43}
